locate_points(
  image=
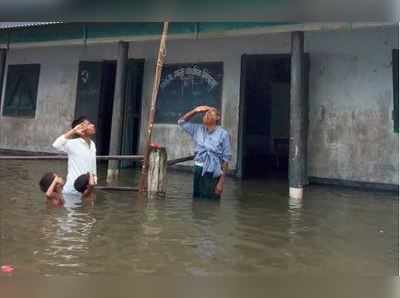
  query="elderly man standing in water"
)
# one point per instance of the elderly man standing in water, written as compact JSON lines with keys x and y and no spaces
{"x":212,"y":152}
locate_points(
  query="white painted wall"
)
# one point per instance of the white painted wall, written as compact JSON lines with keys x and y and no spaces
{"x":55,"y":99}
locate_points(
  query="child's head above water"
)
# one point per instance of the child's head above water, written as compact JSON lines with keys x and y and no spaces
{"x":82,"y":182}
{"x":46,"y":181}
{"x":51,"y":184}
{"x":85,"y":184}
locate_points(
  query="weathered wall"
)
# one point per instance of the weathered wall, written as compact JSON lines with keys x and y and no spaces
{"x":351,"y":132}
{"x":57,"y":87}
{"x":55,"y":99}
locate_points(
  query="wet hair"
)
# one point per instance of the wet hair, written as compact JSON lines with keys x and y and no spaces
{"x":46,"y":181}
{"x":81,"y":183}
{"x":78,"y":121}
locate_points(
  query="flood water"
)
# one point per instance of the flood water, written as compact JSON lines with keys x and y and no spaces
{"x":254,"y":230}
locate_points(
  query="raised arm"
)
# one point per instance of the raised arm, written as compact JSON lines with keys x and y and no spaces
{"x":50,"y":190}
{"x":61,"y":142}
{"x":187,"y":126}
{"x":189,"y":115}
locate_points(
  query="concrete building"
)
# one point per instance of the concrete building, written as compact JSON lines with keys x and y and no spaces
{"x":348,"y":76}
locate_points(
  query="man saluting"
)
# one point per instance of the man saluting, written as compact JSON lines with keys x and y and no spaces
{"x":212,"y":152}
{"x":81,"y":151}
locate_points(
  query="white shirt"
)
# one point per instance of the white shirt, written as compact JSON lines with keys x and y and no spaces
{"x":81,"y":159}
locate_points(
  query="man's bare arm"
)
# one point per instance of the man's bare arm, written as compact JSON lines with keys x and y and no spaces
{"x":90,"y":188}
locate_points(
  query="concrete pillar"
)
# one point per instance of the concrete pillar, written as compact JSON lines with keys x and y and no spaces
{"x":298,"y":119}
{"x":117,"y":112}
{"x":3,"y":57}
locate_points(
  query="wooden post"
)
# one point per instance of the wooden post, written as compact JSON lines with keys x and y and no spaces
{"x":157,"y":174}
{"x":298,"y":119}
{"x":160,"y":61}
{"x":117,"y":112}
{"x":3,"y":57}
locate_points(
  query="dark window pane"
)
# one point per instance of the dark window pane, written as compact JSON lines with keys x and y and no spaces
{"x":21,"y":90}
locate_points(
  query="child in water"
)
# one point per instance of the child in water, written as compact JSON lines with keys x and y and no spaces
{"x":85,"y":185}
{"x":52,"y":185}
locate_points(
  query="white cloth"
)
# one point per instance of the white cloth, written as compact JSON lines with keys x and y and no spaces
{"x":81,"y":159}
{"x":72,"y":200}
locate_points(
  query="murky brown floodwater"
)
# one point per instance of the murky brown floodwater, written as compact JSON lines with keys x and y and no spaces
{"x":255,"y":230}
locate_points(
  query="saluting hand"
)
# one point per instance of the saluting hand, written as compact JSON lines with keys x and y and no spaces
{"x":59,"y":180}
{"x":80,"y":129}
{"x":201,"y":109}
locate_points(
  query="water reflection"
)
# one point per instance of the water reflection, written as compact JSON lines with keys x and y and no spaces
{"x":205,"y":213}
{"x":295,"y":210}
{"x":255,"y":229}
{"x":65,"y":234}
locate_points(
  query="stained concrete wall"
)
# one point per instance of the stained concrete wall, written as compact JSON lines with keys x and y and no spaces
{"x":58,"y":79}
{"x":351,"y":131}
{"x":55,"y":99}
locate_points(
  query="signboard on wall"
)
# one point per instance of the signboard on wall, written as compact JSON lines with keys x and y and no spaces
{"x":185,"y":86}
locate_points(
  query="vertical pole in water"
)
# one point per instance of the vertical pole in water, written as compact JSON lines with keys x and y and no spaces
{"x":119,"y":96}
{"x":160,"y":61}
{"x":298,"y":119}
{"x":3,"y":57}
{"x":157,"y":174}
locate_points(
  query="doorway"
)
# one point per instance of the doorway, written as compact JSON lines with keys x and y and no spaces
{"x":95,"y":97}
{"x":265,"y":99}
{"x":105,"y":107}
{"x":132,"y":111}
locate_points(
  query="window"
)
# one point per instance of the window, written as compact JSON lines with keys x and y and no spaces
{"x":185,"y":86}
{"x":21,"y":90}
{"x":395,"y":62}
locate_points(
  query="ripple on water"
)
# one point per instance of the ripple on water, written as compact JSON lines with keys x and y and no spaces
{"x":254,"y":229}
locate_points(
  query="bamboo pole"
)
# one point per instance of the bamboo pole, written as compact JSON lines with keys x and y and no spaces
{"x":152,"y":113}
